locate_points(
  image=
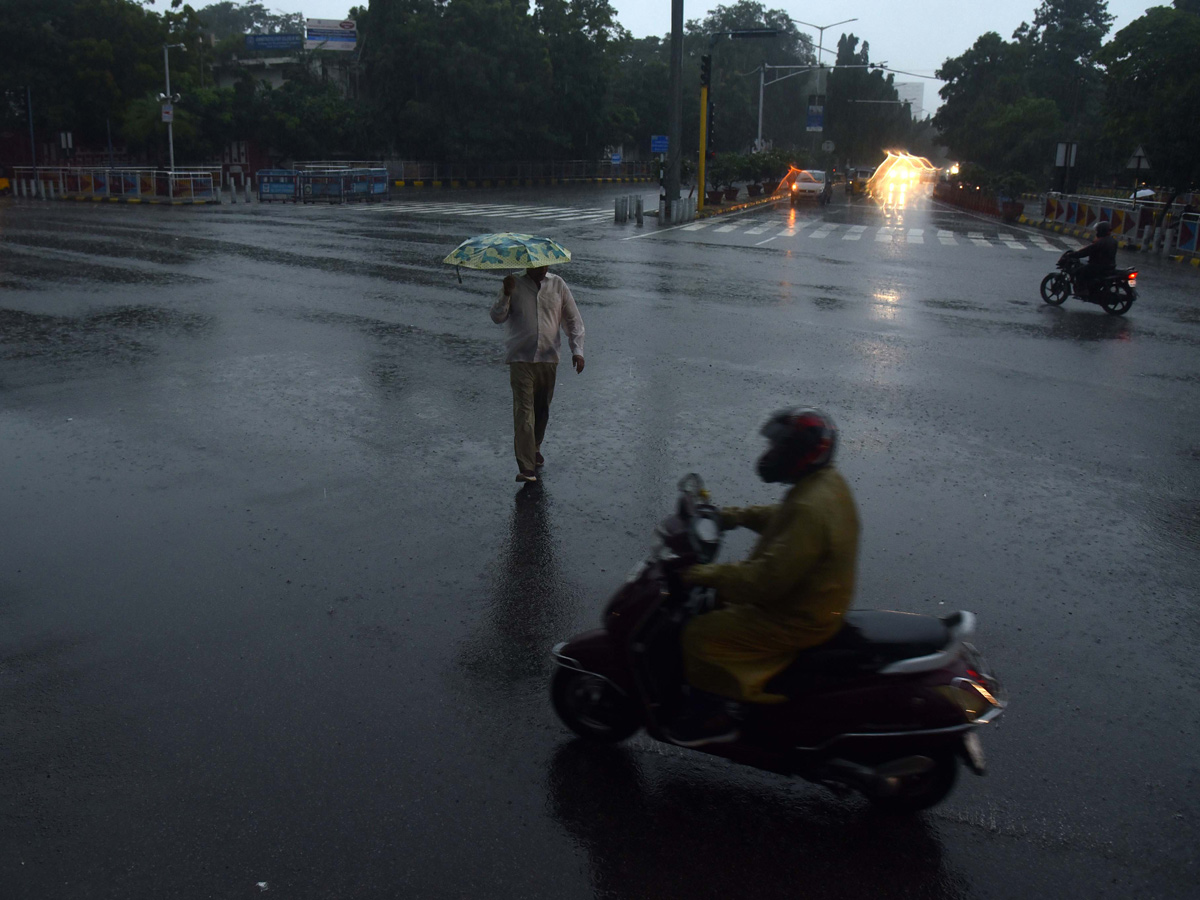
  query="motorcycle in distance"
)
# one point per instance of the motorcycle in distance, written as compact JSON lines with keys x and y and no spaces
{"x":1116,"y":291}
{"x":887,"y":707}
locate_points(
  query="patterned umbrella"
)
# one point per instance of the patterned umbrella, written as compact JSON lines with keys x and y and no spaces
{"x":507,"y":250}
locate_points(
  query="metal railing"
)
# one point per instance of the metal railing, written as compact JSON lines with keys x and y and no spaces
{"x":200,"y":185}
{"x":420,"y":170}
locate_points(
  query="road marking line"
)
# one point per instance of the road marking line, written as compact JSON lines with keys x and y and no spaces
{"x":1014,"y":245}
{"x":767,"y":241}
{"x":824,"y":231}
{"x":885,"y":234}
{"x":856,"y":233}
{"x":761,"y":229}
{"x":696,"y":226}
{"x":916,"y":235}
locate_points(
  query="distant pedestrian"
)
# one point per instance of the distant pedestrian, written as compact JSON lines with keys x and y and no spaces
{"x":537,"y":306}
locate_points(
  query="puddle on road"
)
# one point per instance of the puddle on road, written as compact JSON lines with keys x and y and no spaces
{"x":24,"y":271}
{"x":959,"y":305}
{"x":116,"y":335}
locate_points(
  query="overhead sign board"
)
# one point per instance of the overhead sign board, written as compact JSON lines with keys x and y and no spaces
{"x":660,"y":143}
{"x":330,"y":34}
{"x":816,"y":113}
{"x":274,"y":41}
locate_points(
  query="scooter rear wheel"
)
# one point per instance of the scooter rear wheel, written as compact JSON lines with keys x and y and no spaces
{"x":914,"y":793}
{"x":591,"y":707}
{"x":1117,"y":299}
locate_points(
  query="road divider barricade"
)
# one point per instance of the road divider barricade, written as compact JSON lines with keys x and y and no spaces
{"x":275,"y":185}
{"x":342,"y":185}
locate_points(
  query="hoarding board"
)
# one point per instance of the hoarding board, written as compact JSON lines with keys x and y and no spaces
{"x":274,"y":41}
{"x":330,"y":34}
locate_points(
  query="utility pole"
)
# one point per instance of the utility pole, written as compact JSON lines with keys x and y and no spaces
{"x":675,"y":120}
{"x":32,"y":140}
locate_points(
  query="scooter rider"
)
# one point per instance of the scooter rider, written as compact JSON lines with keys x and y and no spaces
{"x":1101,"y":256}
{"x":788,"y":595}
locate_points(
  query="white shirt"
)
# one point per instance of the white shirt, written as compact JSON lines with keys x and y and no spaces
{"x":535,"y":318}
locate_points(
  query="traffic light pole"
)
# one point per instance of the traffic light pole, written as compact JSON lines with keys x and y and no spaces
{"x":702,"y":168}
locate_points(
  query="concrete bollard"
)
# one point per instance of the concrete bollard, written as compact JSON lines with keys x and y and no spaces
{"x":616,"y":210}
{"x":246,"y":184}
{"x":232,"y":190}
{"x":639,"y":211}
{"x":1168,"y":242}
{"x":50,"y":184}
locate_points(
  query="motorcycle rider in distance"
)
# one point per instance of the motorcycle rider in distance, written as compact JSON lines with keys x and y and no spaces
{"x":788,"y":595}
{"x":1101,"y":256}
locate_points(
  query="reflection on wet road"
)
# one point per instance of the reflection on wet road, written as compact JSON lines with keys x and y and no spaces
{"x":272,"y":608}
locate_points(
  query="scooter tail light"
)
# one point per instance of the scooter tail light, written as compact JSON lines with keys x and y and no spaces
{"x":1132,"y":279}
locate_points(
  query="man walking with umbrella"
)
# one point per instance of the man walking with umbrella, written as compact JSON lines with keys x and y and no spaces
{"x":537,"y":306}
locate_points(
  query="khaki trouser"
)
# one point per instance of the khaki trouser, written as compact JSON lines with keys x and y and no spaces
{"x":533,"y":389}
{"x":734,"y":652}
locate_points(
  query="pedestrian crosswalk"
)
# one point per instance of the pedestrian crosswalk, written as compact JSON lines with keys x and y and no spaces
{"x":489,"y":211}
{"x":819,"y":230}
{"x":765,"y":230}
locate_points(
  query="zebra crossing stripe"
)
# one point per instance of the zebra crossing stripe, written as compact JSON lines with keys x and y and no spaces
{"x":855,"y":233}
{"x":759,"y":230}
{"x":824,"y":231}
{"x":696,"y":226}
{"x":916,"y":235}
{"x":885,"y":234}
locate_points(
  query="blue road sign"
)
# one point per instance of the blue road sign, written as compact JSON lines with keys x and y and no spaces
{"x":659,"y":143}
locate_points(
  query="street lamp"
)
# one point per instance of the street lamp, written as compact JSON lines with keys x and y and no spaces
{"x":168,"y":96}
{"x":820,"y":47}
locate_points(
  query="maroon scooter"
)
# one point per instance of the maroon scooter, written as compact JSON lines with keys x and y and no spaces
{"x":888,"y":707}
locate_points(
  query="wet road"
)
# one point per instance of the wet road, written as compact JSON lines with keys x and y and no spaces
{"x":273,"y":610}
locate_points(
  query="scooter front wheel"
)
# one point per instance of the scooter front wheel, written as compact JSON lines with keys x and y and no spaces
{"x":1056,"y":288}
{"x":913,"y":793}
{"x":591,"y":707}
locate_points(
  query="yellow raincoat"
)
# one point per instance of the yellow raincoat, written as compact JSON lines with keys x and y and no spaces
{"x":789,"y":594}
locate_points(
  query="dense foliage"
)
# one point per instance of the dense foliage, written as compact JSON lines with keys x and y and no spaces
{"x":475,"y":80}
{"x":1008,"y":103}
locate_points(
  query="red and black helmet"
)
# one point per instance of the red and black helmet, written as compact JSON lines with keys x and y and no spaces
{"x":802,"y":440}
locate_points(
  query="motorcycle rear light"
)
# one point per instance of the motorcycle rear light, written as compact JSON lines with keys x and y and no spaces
{"x":1132,"y":279}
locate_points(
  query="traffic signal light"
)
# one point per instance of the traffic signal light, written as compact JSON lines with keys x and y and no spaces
{"x":705,"y":70}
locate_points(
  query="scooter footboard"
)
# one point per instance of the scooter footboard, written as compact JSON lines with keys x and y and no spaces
{"x":596,"y":652}
{"x":872,"y":749}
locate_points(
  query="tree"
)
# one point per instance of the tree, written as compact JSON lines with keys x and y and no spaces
{"x":735,"y":74}
{"x":863,"y":114}
{"x":1008,"y":102}
{"x":1152,"y":96}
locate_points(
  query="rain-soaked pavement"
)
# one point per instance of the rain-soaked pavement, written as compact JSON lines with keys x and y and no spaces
{"x":272,"y":609}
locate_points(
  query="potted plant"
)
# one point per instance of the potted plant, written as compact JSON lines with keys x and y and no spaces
{"x":1009,"y":187}
{"x":716,"y":173}
{"x":751,"y":172}
{"x":726,"y":167}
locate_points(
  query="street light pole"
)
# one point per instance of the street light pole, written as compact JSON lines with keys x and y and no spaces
{"x":820,"y":65}
{"x":168,"y":98}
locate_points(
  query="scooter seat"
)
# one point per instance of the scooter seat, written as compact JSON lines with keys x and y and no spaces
{"x":869,"y":640}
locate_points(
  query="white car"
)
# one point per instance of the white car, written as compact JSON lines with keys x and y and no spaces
{"x":810,"y":184}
